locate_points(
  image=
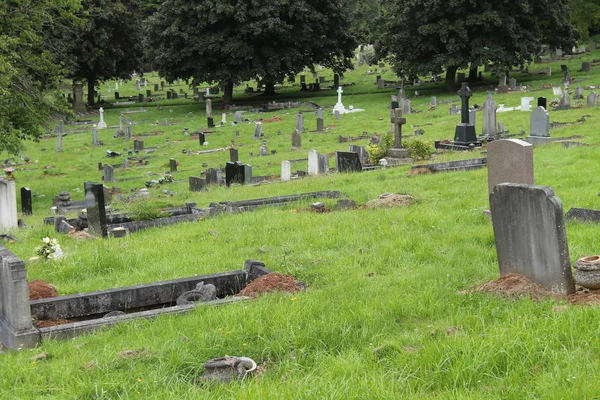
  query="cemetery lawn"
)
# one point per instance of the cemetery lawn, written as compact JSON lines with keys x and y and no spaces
{"x":388,"y":311}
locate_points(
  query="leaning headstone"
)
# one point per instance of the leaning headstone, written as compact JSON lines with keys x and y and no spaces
{"x":209,"y":108}
{"x":95,"y":205}
{"x":197,"y":184}
{"x":257,"y":131}
{"x":300,"y":123}
{"x":511,"y":161}
{"x":173,"y":165}
{"x":286,"y":171}
{"x":8,"y":205}
{"x":26,"y":202}
{"x":109,"y":173}
{"x":313,"y":162}
{"x":592,"y":99}
{"x":347,"y":161}
{"x":530,"y":235}
{"x":489,"y":116}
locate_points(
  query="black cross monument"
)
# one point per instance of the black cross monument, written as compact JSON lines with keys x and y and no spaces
{"x":465,"y":132}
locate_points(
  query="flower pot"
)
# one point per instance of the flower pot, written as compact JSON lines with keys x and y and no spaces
{"x":589,"y":263}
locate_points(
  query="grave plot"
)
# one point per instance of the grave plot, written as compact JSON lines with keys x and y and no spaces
{"x":68,"y":316}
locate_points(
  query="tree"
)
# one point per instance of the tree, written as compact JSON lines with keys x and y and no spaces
{"x":230,"y":41}
{"x":586,"y":16}
{"x":428,"y":36}
{"x":108,"y":45}
{"x":364,"y":19}
{"x":29,"y":68}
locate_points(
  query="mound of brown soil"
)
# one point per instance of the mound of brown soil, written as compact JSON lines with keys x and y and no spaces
{"x":47,"y":323}
{"x":417,"y":171}
{"x":273,"y":282}
{"x":41,"y":290}
{"x":388,"y":200}
{"x":274,"y":119}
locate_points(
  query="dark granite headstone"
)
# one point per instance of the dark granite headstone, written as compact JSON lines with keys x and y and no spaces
{"x":236,"y":172}
{"x":211,"y":122}
{"x":201,"y":138}
{"x":233,"y":155}
{"x":26,"y":203}
{"x":173,"y":165}
{"x":465,"y":131}
{"x":96,"y":213}
{"x":542,"y":102}
{"x":347,"y":161}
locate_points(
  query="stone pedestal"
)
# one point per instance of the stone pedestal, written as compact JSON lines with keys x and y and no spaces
{"x":465,"y":135}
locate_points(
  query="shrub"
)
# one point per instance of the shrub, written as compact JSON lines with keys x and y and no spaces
{"x":418,"y":148}
{"x":377,"y":151}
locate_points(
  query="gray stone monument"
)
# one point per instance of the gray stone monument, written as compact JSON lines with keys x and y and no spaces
{"x":233,"y":155}
{"x":172,"y":165}
{"x":237,"y":117}
{"x":539,"y":127}
{"x":95,"y":137}
{"x":263,"y":151}
{"x":59,"y":142}
{"x":109,"y":173}
{"x":320,"y":125}
{"x":509,"y":161}
{"x":197,"y":184}
{"x":209,"y":108}
{"x":530,"y":235}
{"x":489,"y":116}
{"x":323,"y":164}
{"x":8,"y":205}
{"x":95,"y":205}
{"x":592,"y":99}
{"x":465,"y":131}
{"x":578,"y":94}
{"x":296,"y":140}
{"x":257,"y":131}
{"x":300,"y":123}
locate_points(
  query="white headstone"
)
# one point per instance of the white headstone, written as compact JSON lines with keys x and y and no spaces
{"x":525,"y":103}
{"x":286,"y":171}
{"x":313,"y":162}
{"x":8,"y":205}
{"x":102,"y":124}
{"x":339,"y":105}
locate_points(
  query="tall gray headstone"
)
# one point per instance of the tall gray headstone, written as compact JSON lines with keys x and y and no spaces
{"x":578,"y":94}
{"x":209,"y":108}
{"x":8,"y":204}
{"x":257,"y":131}
{"x":237,"y":117}
{"x":59,"y":142}
{"x":96,"y":211}
{"x":592,"y":99}
{"x":109,"y":173}
{"x":323,"y":164}
{"x":300,"y":123}
{"x":509,"y":161}
{"x":296,"y":140}
{"x":539,"y":123}
{"x":489,"y":116}
{"x":95,"y":136}
{"x":472,"y":116}
{"x":128,"y":132}
{"x":197,"y":184}
{"x":173,"y":165}
{"x":530,"y":235}
{"x":320,"y":125}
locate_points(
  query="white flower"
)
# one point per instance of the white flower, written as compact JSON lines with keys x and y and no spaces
{"x":54,"y":242}
{"x":46,"y":240}
{"x":58,"y":253}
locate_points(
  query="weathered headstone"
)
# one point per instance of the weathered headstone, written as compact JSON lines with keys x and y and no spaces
{"x":210,"y":122}
{"x":433,"y":102}
{"x":465,"y":132}
{"x":586,"y":67}
{"x":237,"y":117}
{"x":257,"y":131}
{"x":512,"y":84}
{"x":109,"y":173}
{"x":405,"y":105}
{"x":489,"y":116}
{"x":313,"y":162}
{"x":323,"y":164}
{"x":300,"y":123}
{"x":263,"y":151}
{"x":472,"y":116}
{"x":530,"y":235}
{"x":95,"y":137}
{"x":213,"y":176}
{"x":209,"y":108}
{"x":509,"y":160}
{"x":233,"y":155}
{"x":26,"y":201}
{"x":296,"y":140}
{"x":173,"y":165}
{"x":320,"y":125}
{"x":397,"y":120}
{"x":347,"y":161}
{"x":565,"y":102}
{"x":128,"y":132}
{"x":453,"y":110}
{"x":363,"y":156}
{"x":286,"y":171}
{"x":539,"y":123}
{"x":8,"y":205}
{"x":138,"y":145}
{"x":95,"y":205}
{"x":138,"y":86}
{"x":592,"y":99}
{"x":197,"y":184}
{"x":337,"y":115}
{"x":578,"y":94}
{"x":238,"y":173}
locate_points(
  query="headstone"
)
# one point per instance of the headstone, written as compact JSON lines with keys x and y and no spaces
{"x":433,"y":102}
{"x":237,"y":117}
{"x":313,"y":162}
{"x":472,"y":117}
{"x":320,"y":125}
{"x":565,"y":102}
{"x":8,"y":205}
{"x":78,"y":101}
{"x":156,"y":87}
{"x":140,"y":98}
{"x":323,"y":164}
{"x":578,"y":94}
{"x":59,"y":142}
{"x":526,"y":103}
{"x":238,"y":173}
{"x":336,"y":113}
{"x":339,"y":106}
{"x":96,"y":212}
{"x":567,"y":77}
{"x":511,"y":161}
{"x":148,"y":93}
{"x":263,"y":151}
{"x":320,"y":112}
{"x":223,"y":118}
{"x":502,"y":86}
{"x":586,"y":67}
{"x":95,"y":136}
{"x":592,"y":99}
{"x":465,"y":132}
{"x":257,"y":131}
{"x":125,"y":163}
{"x":197,"y":184}
{"x":138,"y":145}
{"x":233,"y":155}
{"x":500,"y":127}
{"x":530,"y":235}
{"x":592,"y":46}
{"x":286,"y":171}
{"x":128,"y":132}
{"x":336,"y":80}
{"x":138,"y":87}
{"x":549,"y":71}
{"x":109,"y":173}
{"x":489,"y":116}
{"x":213,"y":176}
{"x":512,"y":84}
{"x":363,"y":156}
{"x":453,"y":110}
{"x":173,"y":165}
{"x":201,"y":138}
{"x":300,"y":123}
{"x":557,"y":91}
{"x":209,"y":108}
{"x":101,"y":123}
{"x":405,"y":105}
{"x":347,"y":161}
{"x":539,"y":123}
{"x":26,"y":201}
{"x":296,"y":140}
{"x":210,"y":122}
{"x":398,"y":121}
{"x":542,"y":102}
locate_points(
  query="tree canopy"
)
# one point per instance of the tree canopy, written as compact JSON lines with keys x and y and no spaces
{"x":235,"y":40}
{"x":29,"y":67}
{"x":428,"y":36}
{"x":107,"y":45}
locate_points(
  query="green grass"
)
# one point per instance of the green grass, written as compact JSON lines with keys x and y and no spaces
{"x":383,"y":285}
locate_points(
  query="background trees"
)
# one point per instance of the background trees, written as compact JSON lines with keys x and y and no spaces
{"x":234,"y":40}
{"x":428,"y":36}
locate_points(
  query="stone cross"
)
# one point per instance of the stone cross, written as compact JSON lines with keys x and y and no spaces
{"x":465,"y":94}
{"x":102,"y":124}
{"x":398,"y":121}
{"x":339,"y":92}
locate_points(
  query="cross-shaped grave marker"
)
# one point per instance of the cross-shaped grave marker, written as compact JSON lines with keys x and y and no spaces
{"x":465,"y":132}
{"x":398,"y":121}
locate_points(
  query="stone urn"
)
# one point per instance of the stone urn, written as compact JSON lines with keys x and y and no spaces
{"x":587,"y":272}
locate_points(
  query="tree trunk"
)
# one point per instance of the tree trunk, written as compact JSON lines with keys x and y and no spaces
{"x":269,"y":88}
{"x":450,"y":78}
{"x":473,"y":73}
{"x":228,"y":93}
{"x":91,"y":83}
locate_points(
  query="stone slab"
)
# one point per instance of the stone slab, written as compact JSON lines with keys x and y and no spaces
{"x":509,"y":160}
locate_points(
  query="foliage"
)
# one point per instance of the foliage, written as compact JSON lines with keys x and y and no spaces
{"x":144,"y":210}
{"x":108,"y":45}
{"x":49,"y":249}
{"x":585,"y":15}
{"x":29,"y":68}
{"x":418,"y":148}
{"x":364,"y":19}
{"x":231,"y":41}
{"x":462,"y":33}
{"x":377,"y":151}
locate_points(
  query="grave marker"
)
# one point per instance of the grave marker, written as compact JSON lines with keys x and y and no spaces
{"x":109,"y":173}
{"x":238,"y":173}
{"x":233,"y":155}
{"x":465,"y":132}
{"x":96,"y":212}
{"x":8,"y":205}
{"x":489,"y":116}
{"x":95,"y":136}
{"x":592,"y":99}
{"x":296,"y":140}
{"x":509,"y":161}
{"x":26,"y":201}
{"x":313,"y":163}
{"x":101,"y":123}
{"x":347,"y":161}
{"x":173,"y":165}
{"x":300,"y":123}
{"x":197,"y":184}
{"x":286,"y":171}
{"x":209,"y":108}
{"x":257,"y":131}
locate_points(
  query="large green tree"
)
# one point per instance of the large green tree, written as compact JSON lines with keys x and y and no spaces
{"x":428,"y":36}
{"x":108,"y":45}
{"x":230,"y":41}
{"x":586,"y":16}
{"x":30,"y":67}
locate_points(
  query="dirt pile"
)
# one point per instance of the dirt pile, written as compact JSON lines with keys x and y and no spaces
{"x":389,"y":200}
{"x":273,"y":282}
{"x":41,"y":290}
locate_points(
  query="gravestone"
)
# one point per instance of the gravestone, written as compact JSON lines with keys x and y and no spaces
{"x":128,"y":132}
{"x":138,"y":145}
{"x":398,"y":121}
{"x":586,"y":67}
{"x":453,"y":110}
{"x":213,"y":176}
{"x":140,"y":98}
{"x":201,"y":138}
{"x":233,"y":155}
{"x":565,"y":102}
{"x":59,"y":142}
{"x":502,"y":86}
{"x":263,"y":151}
{"x":197,"y":184}
{"x":95,"y":137}
{"x":512,"y":84}
{"x":238,"y":173}
{"x":433,"y":102}
{"x":511,"y":161}
{"x":313,"y":162}
{"x":394,"y":103}
{"x":323,"y":164}
{"x":101,"y":123}
{"x":8,"y":205}
{"x":557,"y":91}
{"x":337,"y":115}
{"x":592,"y":99}
{"x":26,"y":201}
{"x":320,"y":112}
{"x":465,"y":132}
{"x":223,"y":118}
{"x":211,"y":122}
{"x":300,"y":123}
{"x":405,"y":105}
{"x":526,"y":103}
{"x":539,"y":127}
{"x":472,"y":116}
{"x":209,"y":108}
{"x":96,"y":212}
{"x":578,"y":94}
{"x":489,"y":116}
{"x":320,"y":125}
{"x":542,"y":102}
{"x":78,"y":101}
{"x":296,"y":140}
{"x":173,"y":165}
{"x":361,"y":151}
{"x":347,"y":161}
{"x":530,"y":235}
{"x":257,"y":131}
{"x":148,"y":93}
{"x":16,"y":328}
{"x":237,"y":117}
{"x":109,"y":173}
{"x":286,"y":171}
